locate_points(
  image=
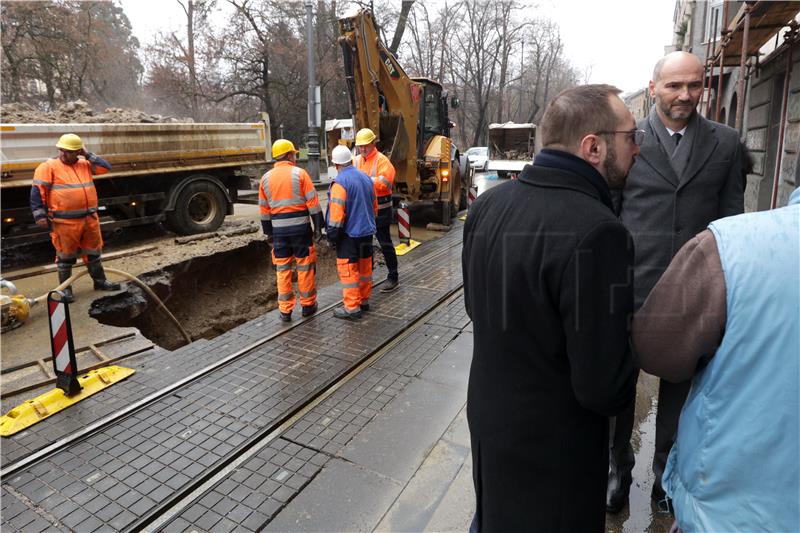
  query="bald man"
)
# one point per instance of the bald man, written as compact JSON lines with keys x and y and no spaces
{"x":687,"y":175}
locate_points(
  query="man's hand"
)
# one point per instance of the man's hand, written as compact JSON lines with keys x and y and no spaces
{"x":84,"y":153}
{"x":317,"y":234}
{"x":270,"y":240}
{"x":43,"y":223}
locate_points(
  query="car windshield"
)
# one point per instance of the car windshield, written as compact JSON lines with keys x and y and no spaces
{"x":477,"y":150}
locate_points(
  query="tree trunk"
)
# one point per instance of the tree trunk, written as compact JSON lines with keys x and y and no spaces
{"x":401,"y":25}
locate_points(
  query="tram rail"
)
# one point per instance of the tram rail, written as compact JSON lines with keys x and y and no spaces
{"x":108,"y":421}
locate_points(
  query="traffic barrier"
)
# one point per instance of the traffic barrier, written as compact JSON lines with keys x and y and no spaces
{"x":70,"y":388}
{"x":472,"y":194}
{"x":64,"y":364}
{"x":404,"y":231}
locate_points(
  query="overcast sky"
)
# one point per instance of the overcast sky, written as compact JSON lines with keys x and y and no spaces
{"x":618,"y":40}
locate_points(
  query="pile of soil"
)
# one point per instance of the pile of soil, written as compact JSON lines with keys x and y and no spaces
{"x":79,"y":112}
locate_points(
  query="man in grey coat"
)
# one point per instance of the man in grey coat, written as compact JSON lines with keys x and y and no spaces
{"x":687,"y":175}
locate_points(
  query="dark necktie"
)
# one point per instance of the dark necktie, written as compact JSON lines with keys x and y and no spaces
{"x":677,"y":137}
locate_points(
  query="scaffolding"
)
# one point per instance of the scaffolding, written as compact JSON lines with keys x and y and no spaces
{"x":754,"y":25}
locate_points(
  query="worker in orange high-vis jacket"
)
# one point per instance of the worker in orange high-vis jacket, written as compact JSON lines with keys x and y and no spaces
{"x":288,"y":201}
{"x":378,"y":167}
{"x":350,"y":219}
{"x":63,"y":199}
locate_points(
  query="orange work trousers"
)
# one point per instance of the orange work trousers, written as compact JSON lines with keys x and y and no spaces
{"x":298,"y":249}
{"x":76,"y":237}
{"x":354,"y":264}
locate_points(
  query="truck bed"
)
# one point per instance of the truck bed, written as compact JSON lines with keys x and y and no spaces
{"x":134,"y":149}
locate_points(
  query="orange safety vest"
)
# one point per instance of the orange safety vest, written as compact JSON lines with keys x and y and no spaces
{"x":67,"y":190}
{"x":378,"y":167}
{"x":286,"y":199}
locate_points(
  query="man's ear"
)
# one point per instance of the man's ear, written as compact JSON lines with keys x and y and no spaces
{"x":592,"y":150}
{"x":652,"y":87}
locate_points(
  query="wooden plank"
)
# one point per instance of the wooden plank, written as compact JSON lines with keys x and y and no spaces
{"x":45,"y":368}
{"x":46,"y":269}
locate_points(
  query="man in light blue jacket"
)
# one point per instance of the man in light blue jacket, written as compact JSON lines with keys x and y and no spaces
{"x":726,"y":314}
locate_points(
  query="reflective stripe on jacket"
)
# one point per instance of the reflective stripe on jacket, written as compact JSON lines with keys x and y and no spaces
{"x":352,"y":205}
{"x":63,"y":191}
{"x":286,"y":198}
{"x":378,"y":167}
{"x":734,"y":464}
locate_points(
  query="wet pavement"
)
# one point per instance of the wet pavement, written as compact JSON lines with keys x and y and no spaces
{"x":388,"y":451}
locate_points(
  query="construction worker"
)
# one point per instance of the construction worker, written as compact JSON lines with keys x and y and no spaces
{"x":352,"y":207}
{"x":287,"y":202}
{"x":63,"y":199}
{"x":378,"y":167}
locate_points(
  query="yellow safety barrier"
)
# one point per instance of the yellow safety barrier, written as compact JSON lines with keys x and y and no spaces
{"x":32,"y":411}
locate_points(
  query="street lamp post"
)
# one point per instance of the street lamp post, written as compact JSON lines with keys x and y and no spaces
{"x":313,"y":136}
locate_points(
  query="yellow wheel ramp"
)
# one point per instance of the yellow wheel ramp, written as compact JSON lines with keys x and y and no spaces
{"x":32,"y":411}
{"x":403,"y":248}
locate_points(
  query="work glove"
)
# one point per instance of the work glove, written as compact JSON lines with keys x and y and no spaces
{"x":270,"y":240}
{"x":317,"y":234}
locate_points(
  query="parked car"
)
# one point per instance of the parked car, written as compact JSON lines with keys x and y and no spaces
{"x":478,"y":156}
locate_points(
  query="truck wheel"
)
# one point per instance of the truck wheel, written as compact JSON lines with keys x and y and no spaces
{"x":200,"y":208}
{"x":445,"y":212}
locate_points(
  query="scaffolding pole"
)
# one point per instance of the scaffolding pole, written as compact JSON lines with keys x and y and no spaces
{"x":789,"y":38}
{"x":743,"y":71}
{"x":723,"y":44}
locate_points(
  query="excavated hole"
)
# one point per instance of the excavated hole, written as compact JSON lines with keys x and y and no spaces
{"x":209,"y":295}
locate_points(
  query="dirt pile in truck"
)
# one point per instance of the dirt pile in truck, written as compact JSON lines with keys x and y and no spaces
{"x":79,"y":112}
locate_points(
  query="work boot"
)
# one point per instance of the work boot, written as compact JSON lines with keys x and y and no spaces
{"x":286,"y":317}
{"x":95,"y":269}
{"x":341,"y":312}
{"x":660,"y":498}
{"x":364,"y":307}
{"x":619,"y":488}
{"x":309,"y":310}
{"x":64,"y":273}
{"x":389,"y":285}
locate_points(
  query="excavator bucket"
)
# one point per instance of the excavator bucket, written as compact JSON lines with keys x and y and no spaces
{"x":394,"y":139}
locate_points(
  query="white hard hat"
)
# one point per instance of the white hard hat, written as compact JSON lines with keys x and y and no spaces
{"x":341,"y":155}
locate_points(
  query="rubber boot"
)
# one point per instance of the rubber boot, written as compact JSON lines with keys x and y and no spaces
{"x":64,"y":273}
{"x":95,"y":268}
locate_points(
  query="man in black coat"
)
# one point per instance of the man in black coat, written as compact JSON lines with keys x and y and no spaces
{"x":547,"y":283}
{"x":689,"y":173}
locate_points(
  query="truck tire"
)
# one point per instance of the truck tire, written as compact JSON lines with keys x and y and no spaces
{"x":444,"y":212}
{"x":200,"y":208}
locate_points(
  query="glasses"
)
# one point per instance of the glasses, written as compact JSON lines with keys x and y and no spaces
{"x":637,"y":136}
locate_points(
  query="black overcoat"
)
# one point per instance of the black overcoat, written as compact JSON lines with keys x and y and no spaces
{"x":547,"y":282}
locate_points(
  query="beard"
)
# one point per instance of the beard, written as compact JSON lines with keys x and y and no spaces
{"x":615,"y":174}
{"x":677,"y":113}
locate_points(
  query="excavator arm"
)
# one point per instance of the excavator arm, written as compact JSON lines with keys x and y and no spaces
{"x":382,"y":96}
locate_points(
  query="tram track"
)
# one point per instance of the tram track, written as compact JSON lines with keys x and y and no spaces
{"x":108,"y":421}
{"x":181,"y":499}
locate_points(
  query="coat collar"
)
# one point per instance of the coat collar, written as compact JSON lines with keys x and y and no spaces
{"x":557,"y":169}
{"x":704,"y":143}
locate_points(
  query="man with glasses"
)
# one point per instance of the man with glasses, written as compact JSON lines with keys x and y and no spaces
{"x":687,"y":175}
{"x":547,"y":284}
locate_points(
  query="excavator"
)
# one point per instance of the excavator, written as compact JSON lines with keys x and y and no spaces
{"x":409,"y":116}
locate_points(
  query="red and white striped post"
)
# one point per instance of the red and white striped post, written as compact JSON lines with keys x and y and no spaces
{"x":404,"y":224}
{"x":472,"y":194}
{"x":64,"y":363}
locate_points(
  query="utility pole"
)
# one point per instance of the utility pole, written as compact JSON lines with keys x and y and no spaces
{"x":313,"y":136}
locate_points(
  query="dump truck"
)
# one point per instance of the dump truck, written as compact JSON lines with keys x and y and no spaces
{"x":186,"y":175}
{"x":408,"y":115}
{"x":511,"y":147}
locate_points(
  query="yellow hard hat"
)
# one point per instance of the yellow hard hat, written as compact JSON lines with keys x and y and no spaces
{"x":282,"y":146}
{"x":364,"y":136}
{"x":70,"y":141}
